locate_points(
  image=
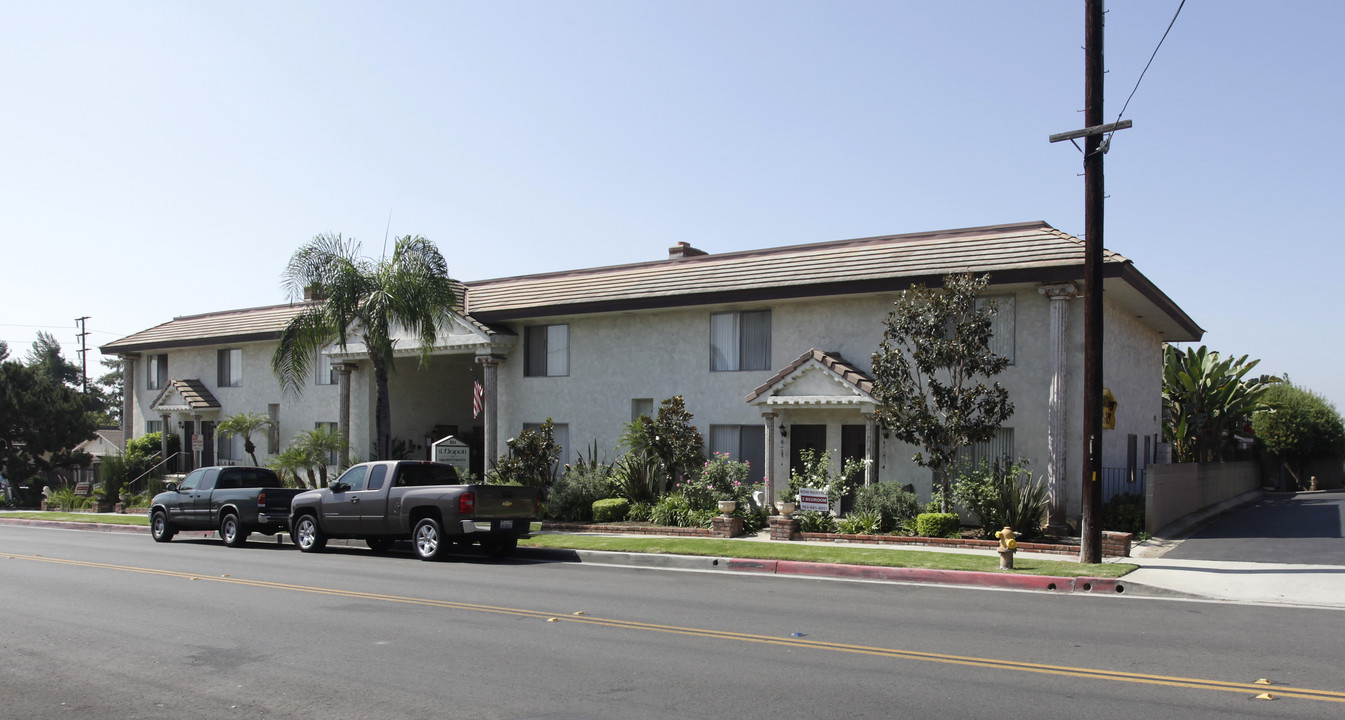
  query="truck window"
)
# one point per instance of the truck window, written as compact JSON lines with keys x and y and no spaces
{"x":354,"y":477}
{"x":208,"y":479}
{"x":418,"y":474}
{"x":249,"y":477}
{"x":376,"y":477}
{"x":192,"y":480}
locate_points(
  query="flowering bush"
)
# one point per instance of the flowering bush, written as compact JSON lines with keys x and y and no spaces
{"x":816,"y":474}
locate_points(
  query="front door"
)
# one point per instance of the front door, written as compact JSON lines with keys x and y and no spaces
{"x":805,"y":437}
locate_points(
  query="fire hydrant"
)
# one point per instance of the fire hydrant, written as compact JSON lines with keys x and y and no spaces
{"x":1007,"y":545}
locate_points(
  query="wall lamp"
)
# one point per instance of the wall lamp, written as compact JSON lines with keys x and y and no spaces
{"x":784,"y":432}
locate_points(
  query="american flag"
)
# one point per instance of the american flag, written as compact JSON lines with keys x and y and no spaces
{"x":478,"y":398}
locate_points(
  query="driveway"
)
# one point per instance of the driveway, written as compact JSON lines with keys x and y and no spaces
{"x":1301,"y":529}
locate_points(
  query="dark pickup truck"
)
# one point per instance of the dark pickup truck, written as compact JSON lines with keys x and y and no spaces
{"x":236,"y":501}
{"x":382,"y":502}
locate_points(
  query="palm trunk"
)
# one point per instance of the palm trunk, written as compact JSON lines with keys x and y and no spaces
{"x":383,"y":409}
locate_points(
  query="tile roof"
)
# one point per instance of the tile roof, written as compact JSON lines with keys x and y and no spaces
{"x":263,"y":323}
{"x":194,"y":394}
{"x":864,"y":265}
{"x":831,"y":361}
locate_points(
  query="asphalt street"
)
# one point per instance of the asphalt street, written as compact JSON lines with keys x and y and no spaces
{"x":1302,"y":528}
{"x":110,"y":625}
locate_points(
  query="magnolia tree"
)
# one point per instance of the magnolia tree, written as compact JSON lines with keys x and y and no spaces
{"x":931,"y":369}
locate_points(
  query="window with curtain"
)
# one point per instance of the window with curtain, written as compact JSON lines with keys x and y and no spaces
{"x":230,"y":368}
{"x":740,"y":340}
{"x":1002,"y":325}
{"x":156,"y":371}
{"x":744,"y":443}
{"x":997,"y":449}
{"x":546,"y":351}
{"x":326,"y":374}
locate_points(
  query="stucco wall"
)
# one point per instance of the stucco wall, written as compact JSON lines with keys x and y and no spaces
{"x":1177,"y":490}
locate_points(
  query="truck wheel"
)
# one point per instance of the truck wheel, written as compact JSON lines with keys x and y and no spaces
{"x":160,"y":528}
{"x":231,"y":531}
{"x":379,"y":544}
{"x":500,"y":547}
{"x":307,"y":535}
{"x":428,"y":539}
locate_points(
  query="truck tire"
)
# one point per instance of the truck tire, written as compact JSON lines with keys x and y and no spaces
{"x":499,"y":547}
{"x":160,"y":527}
{"x":379,"y":544}
{"x":428,"y":539}
{"x":231,"y":531}
{"x":308,"y":535}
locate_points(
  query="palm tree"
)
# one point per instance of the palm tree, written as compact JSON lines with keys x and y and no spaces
{"x":319,"y":446}
{"x":290,"y":462}
{"x":244,"y":424}
{"x":368,"y":299}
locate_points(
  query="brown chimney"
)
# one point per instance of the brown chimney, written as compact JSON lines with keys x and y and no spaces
{"x":684,"y":250}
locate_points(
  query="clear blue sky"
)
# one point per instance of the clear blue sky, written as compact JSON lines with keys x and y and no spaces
{"x":165,"y":158}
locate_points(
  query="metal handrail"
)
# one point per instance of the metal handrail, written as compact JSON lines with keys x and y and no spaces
{"x":152,"y":469}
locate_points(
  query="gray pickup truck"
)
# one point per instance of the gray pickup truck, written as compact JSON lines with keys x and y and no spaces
{"x":236,"y":501}
{"x":383,"y":502}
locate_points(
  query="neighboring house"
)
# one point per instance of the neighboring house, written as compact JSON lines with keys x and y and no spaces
{"x":770,"y":349}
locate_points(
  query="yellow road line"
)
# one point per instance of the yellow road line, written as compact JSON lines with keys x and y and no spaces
{"x":985,"y":663}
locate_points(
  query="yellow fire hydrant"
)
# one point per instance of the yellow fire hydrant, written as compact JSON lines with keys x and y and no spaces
{"x":1007,"y":545}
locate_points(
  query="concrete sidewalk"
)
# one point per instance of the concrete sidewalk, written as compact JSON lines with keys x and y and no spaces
{"x":1317,"y":586}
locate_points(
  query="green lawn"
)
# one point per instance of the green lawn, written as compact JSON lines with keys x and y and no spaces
{"x":886,"y":556}
{"x":95,"y":518}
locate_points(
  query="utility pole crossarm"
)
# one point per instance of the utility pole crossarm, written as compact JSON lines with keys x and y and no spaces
{"x":1090,"y":131}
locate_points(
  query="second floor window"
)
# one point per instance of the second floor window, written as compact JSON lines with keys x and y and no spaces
{"x":156,"y":371}
{"x":231,"y":368}
{"x":740,"y":340}
{"x":326,"y":374}
{"x":547,"y":351}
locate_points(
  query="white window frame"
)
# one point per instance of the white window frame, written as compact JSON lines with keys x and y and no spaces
{"x":324,"y":373}
{"x":156,"y":371}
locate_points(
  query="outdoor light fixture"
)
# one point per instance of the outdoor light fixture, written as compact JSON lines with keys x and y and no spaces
{"x":783,"y":431}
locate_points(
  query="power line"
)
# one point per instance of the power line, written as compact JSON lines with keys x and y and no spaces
{"x":1151,"y":60}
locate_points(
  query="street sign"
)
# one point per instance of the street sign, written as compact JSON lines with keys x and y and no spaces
{"x":812,"y":499}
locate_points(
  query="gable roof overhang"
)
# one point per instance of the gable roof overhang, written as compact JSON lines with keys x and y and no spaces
{"x":184,"y":396}
{"x":844,"y":386}
{"x":461,"y":334}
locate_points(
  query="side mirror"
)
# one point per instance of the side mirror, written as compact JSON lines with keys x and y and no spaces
{"x":339,"y":487}
{"x":170,"y":487}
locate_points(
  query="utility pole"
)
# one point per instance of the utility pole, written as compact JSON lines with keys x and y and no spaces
{"x":83,"y":354}
{"x":1091,"y":532}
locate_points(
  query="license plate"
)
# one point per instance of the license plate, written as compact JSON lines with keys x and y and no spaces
{"x":506,"y":524}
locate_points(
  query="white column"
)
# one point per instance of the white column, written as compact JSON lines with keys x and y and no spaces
{"x":1057,"y":513}
{"x":768,"y":419}
{"x":343,"y":371}
{"x":490,"y":366}
{"x":869,"y":437}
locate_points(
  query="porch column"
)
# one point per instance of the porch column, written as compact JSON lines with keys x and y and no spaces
{"x":195,"y":431}
{"x":868,"y":448}
{"x":1057,"y":514}
{"x":343,"y":371}
{"x":128,"y":399}
{"x":769,"y":478}
{"x":490,"y":369}
{"x":163,"y":442}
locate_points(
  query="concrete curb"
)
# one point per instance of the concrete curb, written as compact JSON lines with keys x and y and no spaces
{"x":1041,"y":583}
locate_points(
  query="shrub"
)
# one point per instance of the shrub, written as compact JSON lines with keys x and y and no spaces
{"x":639,"y":477}
{"x":574,"y":493}
{"x":895,"y":506}
{"x":701,"y":518}
{"x":860,"y":523}
{"x":816,"y":473}
{"x":532,"y":458}
{"x":937,"y":525}
{"x":816,"y":522}
{"x":671,"y":511}
{"x":639,"y":512}
{"x":1000,"y":494}
{"x":611,"y":510}
{"x":727,"y":478}
{"x":754,"y":521}
{"x":1124,"y":513}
